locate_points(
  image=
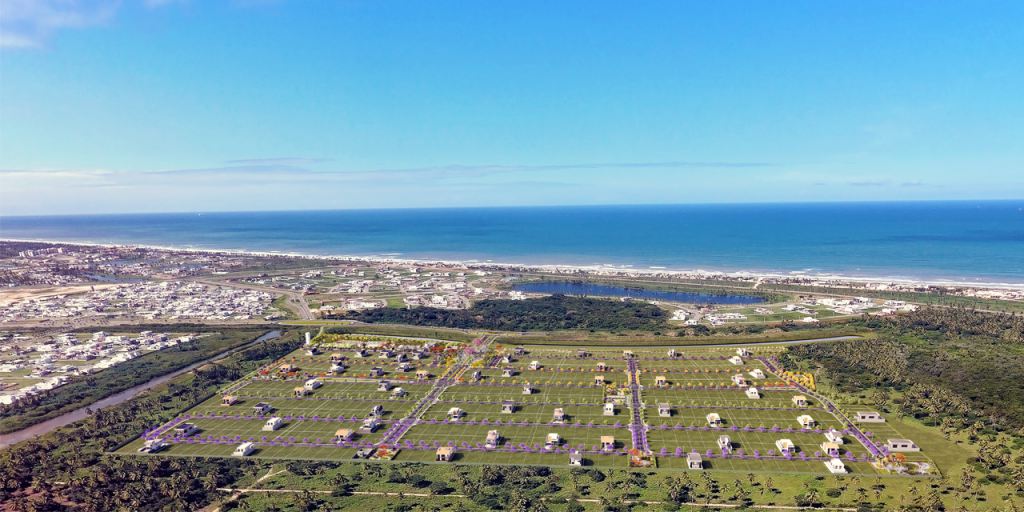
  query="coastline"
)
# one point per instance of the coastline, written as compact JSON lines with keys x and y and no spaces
{"x":607,"y":269}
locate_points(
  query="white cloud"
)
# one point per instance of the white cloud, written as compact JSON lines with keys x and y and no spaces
{"x":30,"y":23}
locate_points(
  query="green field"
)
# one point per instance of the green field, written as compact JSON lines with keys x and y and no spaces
{"x":699,"y":384}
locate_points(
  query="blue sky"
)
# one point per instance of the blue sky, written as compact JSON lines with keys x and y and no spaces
{"x":188,"y":105}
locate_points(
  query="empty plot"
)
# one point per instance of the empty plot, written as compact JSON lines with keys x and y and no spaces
{"x":531,"y":413}
{"x":538,"y":394}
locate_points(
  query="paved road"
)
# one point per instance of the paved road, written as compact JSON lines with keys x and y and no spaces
{"x":637,"y":424}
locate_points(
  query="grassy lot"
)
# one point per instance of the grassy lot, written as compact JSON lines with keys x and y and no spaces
{"x":789,"y":478}
{"x":281,"y":303}
{"x":415,"y":332}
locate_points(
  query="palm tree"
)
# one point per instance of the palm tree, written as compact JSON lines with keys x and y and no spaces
{"x":811,"y":496}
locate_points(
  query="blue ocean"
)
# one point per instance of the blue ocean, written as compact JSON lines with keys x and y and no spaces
{"x":967,"y":241}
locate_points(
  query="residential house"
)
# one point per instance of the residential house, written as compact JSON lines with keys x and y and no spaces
{"x":559,"y":416}
{"x":607,"y":443}
{"x":244,"y":450}
{"x":493,"y":438}
{"x":901,"y":445}
{"x":785,"y":446}
{"x":551,"y":440}
{"x":805,"y":421}
{"x":724,"y":443}
{"x":868,"y":417}
{"x":369,"y":425}
{"x":834,"y":436}
{"x":185,"y":429}
{"x":152,"y":446}
{"x":835,"y":466}
{"x":444,"y":454}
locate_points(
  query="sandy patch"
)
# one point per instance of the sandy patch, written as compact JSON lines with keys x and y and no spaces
{"x":20,"y":294}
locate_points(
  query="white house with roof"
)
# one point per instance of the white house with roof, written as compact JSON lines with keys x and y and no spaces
{"x":836,"y":466}
{"x":805,"y":421}
{"x":244,"y":450}
{"x":493,"y":438}
{"x":868,"y":417}
{"x":901,"y":445}
{"x":724,"y":443}
{"x":664,"y":410}
{"x":785,"y":446}
{"x":552,"y":440}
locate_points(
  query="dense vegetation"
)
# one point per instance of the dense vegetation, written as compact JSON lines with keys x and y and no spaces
{"x":86,"y":389}
{"x":553,"y":313}
{"x":951,"y":367}
{"x":667,"y":285}
{"x":67,"y":469}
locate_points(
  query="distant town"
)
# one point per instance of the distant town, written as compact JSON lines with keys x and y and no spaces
{"x":64,"y":288}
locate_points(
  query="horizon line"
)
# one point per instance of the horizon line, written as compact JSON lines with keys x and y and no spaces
{"x":737,"y":203}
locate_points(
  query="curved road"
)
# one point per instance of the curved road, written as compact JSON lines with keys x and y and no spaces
{"x":295,"y":299}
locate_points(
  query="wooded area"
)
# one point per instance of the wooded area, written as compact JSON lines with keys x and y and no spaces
{"x":950,"y":366}
{"x":553,"y":313}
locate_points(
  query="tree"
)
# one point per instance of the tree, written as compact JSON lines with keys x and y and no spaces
{"x":811,"y":497}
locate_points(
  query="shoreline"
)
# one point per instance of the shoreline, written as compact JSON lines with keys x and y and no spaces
{"x":653,"y":271}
